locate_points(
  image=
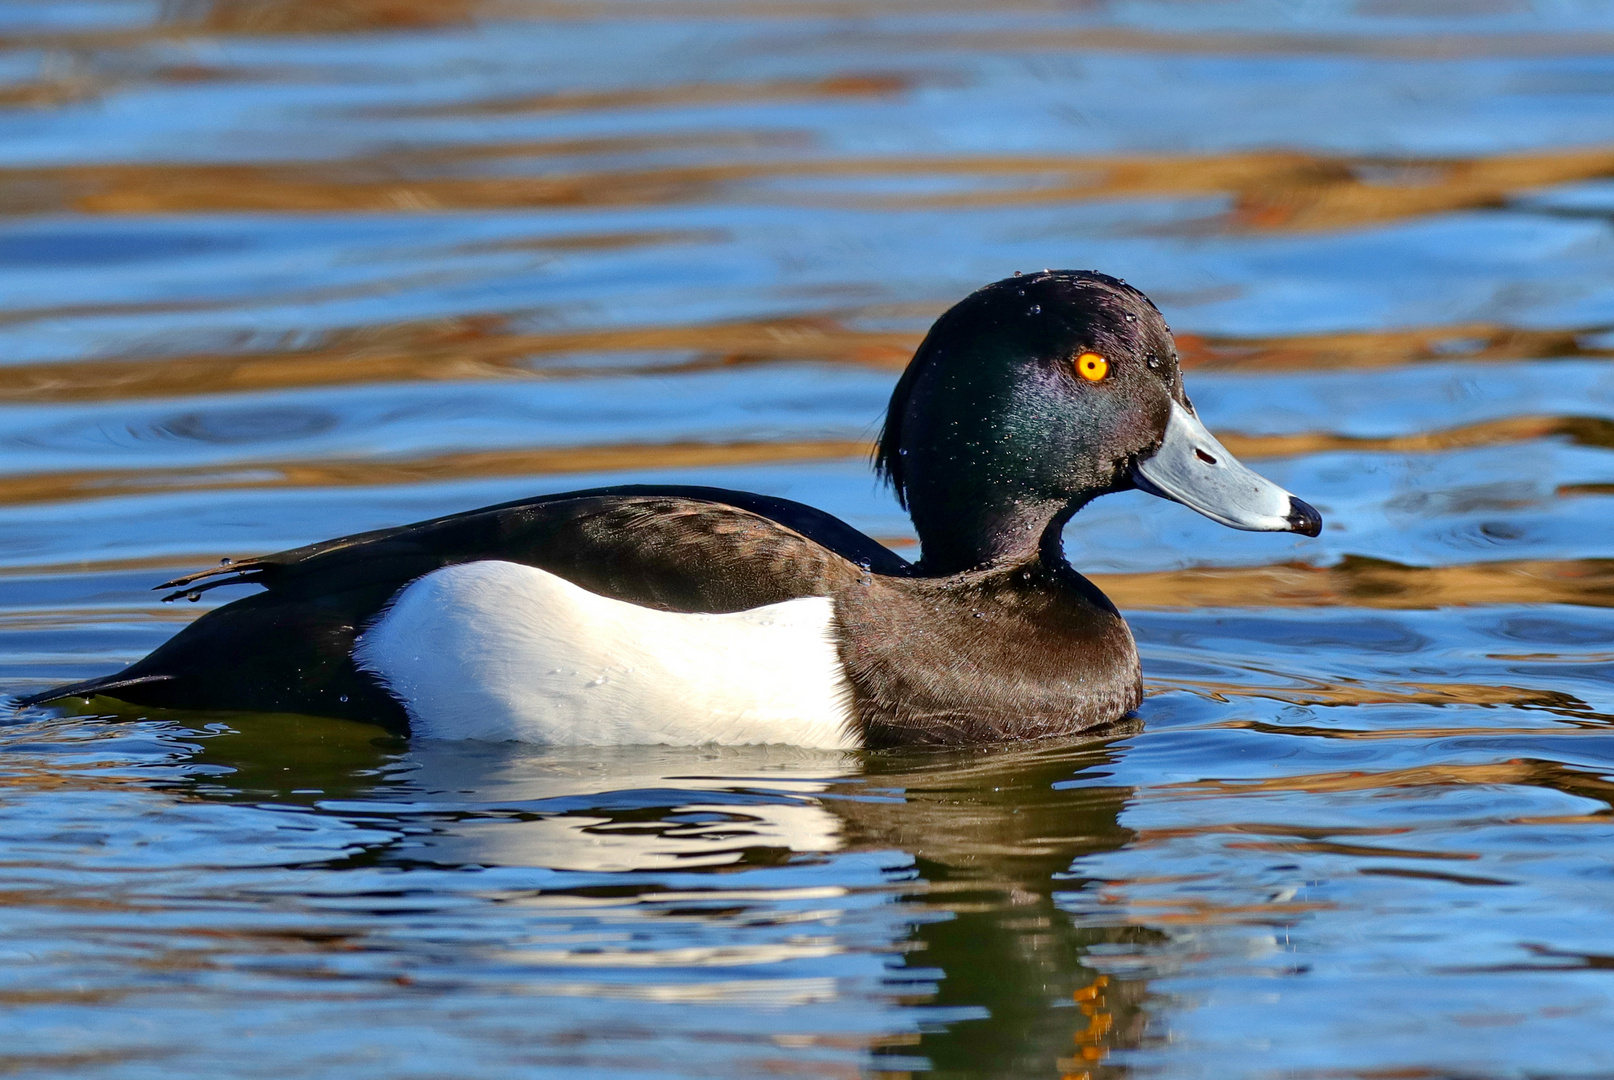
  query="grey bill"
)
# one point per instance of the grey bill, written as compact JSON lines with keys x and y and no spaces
{"x":1192,"y":468}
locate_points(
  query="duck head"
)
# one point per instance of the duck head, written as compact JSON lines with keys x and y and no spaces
{"x":1039,"y":393}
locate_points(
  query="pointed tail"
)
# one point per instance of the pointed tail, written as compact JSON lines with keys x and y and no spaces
{"x":87,"y":688}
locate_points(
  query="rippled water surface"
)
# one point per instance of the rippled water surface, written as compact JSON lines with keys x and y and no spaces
{"x":274,"y":270}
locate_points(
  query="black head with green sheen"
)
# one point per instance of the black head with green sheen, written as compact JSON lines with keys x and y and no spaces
{"x":1040,"y":392}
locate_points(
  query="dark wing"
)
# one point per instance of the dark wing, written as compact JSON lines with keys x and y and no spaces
{"x":673,"y":548}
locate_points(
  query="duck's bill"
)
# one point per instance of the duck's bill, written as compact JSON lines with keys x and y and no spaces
{"x":1192,"y":468}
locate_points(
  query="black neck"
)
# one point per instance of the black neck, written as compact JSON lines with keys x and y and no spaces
{"x":979,"y":536}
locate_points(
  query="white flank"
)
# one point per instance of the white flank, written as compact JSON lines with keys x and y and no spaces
{"x":504,"y":652}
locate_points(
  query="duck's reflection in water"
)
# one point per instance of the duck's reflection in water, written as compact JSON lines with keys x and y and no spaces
{"x":993,"y":835}
{"x":989,"y":838}
{"x":616,"y":809}
{"x":967,"y":853}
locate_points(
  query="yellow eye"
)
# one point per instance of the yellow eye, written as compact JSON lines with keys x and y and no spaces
{"x":1092,"y":367}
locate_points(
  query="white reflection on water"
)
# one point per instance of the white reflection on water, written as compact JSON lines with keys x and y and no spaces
{"x":563,"y":792}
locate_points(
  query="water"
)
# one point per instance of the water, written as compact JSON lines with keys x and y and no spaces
{"x":273,"y":270}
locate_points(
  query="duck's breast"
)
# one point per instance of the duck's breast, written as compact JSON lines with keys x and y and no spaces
{"x":505,"y":652}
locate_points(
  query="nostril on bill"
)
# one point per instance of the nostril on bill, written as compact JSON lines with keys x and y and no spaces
{"x":1202,"y":456}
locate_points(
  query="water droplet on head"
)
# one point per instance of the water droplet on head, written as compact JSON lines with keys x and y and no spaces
{"x":343,"y":699}
{"x":225,"y":561}
{"x":1036,"y":309}
{"x":1131,"y":318}
{"x":1017,"y":273}
{"x":1022,"y":292}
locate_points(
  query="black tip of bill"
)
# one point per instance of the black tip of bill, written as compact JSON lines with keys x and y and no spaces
{"x":1304,"y":518}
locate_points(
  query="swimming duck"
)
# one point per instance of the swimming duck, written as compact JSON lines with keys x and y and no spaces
{"x":692,"y":615}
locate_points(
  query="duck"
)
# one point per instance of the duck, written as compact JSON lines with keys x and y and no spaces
{"x":685,"y":615}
